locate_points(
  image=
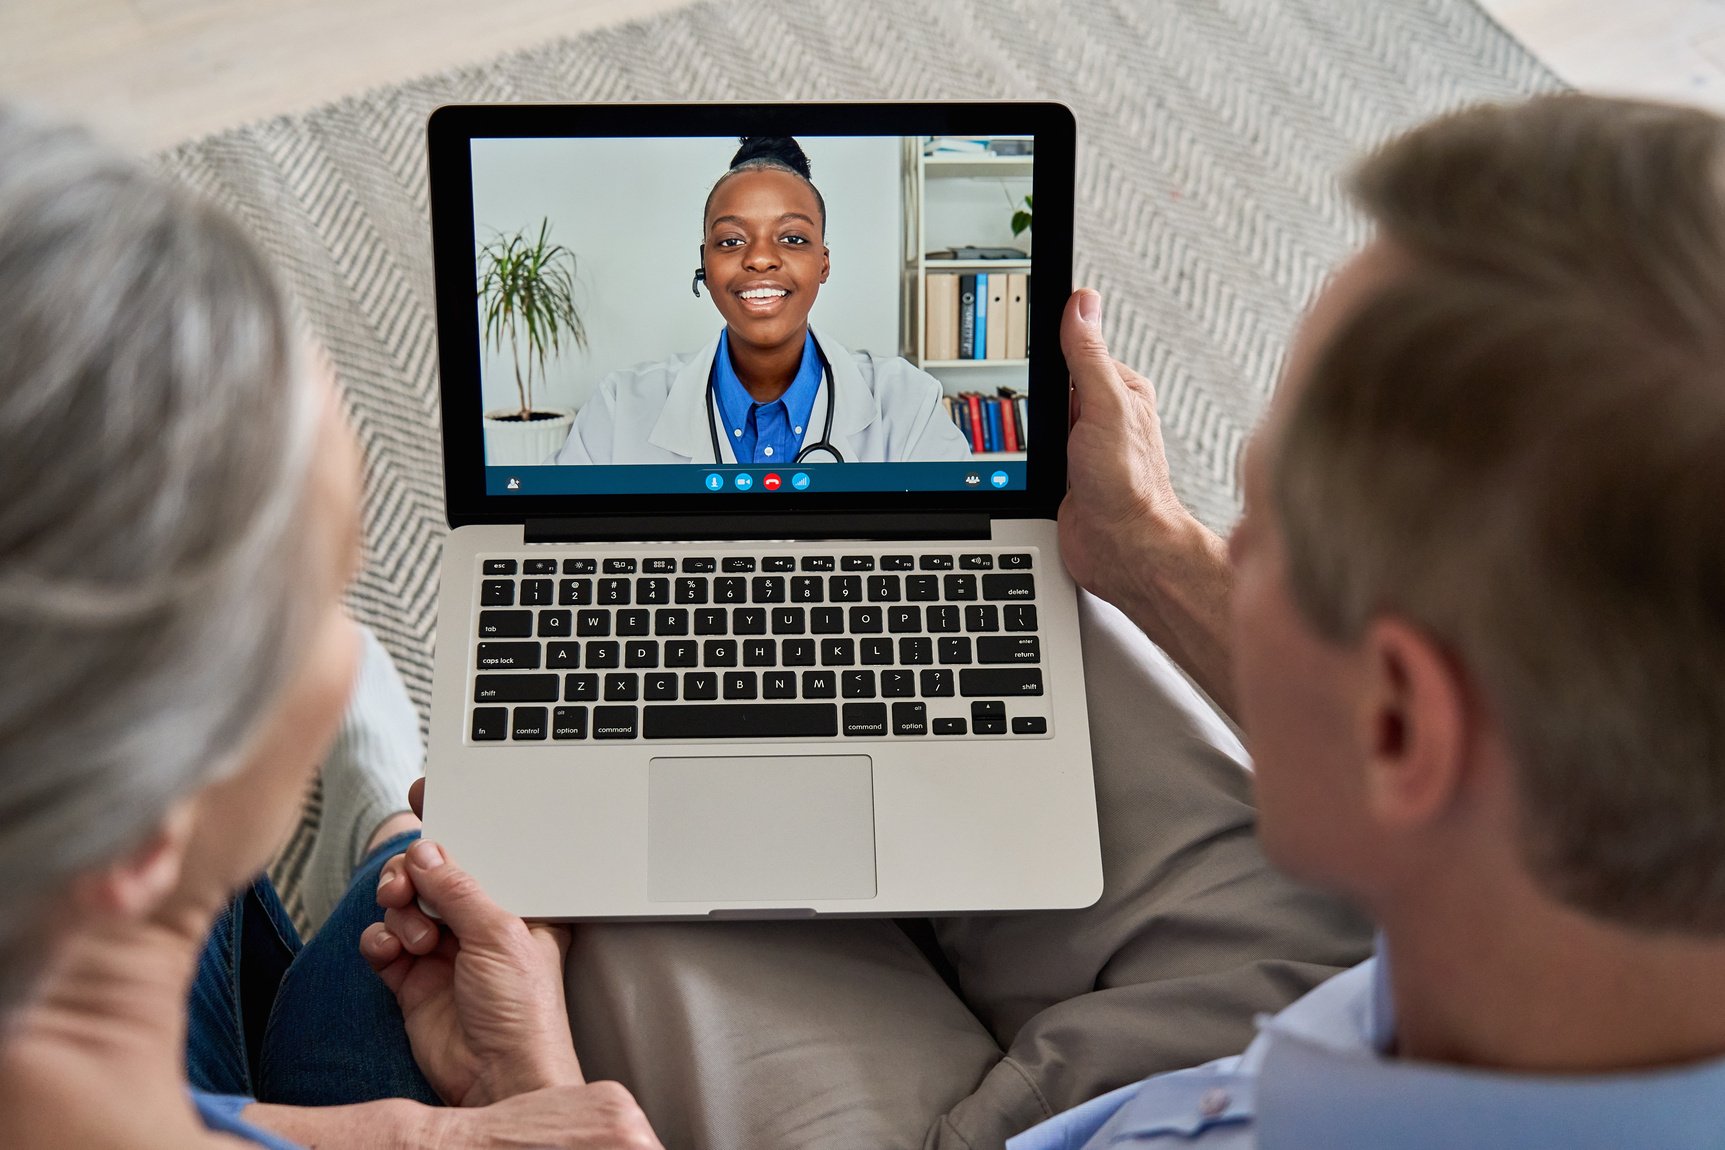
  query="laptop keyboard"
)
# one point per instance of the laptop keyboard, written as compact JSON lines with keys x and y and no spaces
{"x":840,"y":645}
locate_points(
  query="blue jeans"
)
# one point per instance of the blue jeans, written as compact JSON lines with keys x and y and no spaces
{"x":299,"y":1024}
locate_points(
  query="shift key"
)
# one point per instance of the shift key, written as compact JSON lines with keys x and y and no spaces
{"x":999,"y":682}
{"x":516,"y":688}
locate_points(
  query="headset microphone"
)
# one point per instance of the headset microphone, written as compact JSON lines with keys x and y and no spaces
{"x":695,"y":284}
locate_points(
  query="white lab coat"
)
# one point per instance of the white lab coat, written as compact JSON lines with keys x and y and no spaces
{"x":889,"y":411}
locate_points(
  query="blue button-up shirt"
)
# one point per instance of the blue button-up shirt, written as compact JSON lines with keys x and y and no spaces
{"x":1319,"y":1077}
{"x":767,"y":432}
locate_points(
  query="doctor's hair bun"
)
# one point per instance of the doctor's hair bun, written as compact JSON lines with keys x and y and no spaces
{"x":771,"y":151}
{"x":777,"y":153}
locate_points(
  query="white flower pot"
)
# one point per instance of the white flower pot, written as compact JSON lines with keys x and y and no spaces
{"x":525,"y":443}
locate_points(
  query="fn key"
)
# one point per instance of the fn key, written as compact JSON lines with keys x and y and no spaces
{"x":490,"y":724}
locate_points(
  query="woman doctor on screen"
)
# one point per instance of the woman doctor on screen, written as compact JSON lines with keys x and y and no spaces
{"x":769,"y":389}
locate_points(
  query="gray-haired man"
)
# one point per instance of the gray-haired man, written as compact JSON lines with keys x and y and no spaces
{"x":1477,"y":638}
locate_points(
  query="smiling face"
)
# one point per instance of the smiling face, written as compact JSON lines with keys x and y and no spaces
{"x":765,"y":255}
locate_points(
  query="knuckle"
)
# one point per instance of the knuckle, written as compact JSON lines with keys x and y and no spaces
{"x":458,"y":884}
{"x":612,"y":1095}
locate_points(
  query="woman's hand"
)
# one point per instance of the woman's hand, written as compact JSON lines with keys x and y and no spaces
{"x":602,"y":1116}
{"x":482,"y":992}
{"x":599,"y":1116}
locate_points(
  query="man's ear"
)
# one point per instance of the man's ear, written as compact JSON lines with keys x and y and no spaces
{"x":1413,"y":725}
{"x":136,"y":883}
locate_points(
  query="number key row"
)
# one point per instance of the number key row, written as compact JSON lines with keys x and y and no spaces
{"x":863,"y":620}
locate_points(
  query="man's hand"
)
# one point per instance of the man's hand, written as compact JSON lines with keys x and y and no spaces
{"x":1121,"y":502}
{"x":1124,"y":534}
{"x":481,"y":993}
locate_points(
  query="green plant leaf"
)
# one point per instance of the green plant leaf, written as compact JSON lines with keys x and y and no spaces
{"x":526,"y":290}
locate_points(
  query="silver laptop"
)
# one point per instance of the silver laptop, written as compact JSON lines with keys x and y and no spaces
{"x":754,"y":436}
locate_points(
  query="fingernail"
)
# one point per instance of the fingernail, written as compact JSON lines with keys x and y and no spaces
{"x":384,"y":938}
{"x":1089,"y":308}
{"x":388,"y":877}
{"x":416,"y":934}
{"x":425,"y":855}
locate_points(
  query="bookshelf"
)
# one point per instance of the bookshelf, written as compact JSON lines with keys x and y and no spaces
{"x":960,"y":200}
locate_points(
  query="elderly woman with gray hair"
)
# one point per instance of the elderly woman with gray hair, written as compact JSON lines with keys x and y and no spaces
{"x":178,"y":527}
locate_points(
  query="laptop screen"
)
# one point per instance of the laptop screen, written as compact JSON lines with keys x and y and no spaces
{"x":765,"y":315}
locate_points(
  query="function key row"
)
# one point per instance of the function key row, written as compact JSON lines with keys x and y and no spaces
{"x":734,"y":564}
{"x":656,"y":590}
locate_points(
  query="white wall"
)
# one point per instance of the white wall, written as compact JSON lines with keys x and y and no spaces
{"x":630,"y":210}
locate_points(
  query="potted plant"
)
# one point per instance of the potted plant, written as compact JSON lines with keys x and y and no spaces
{"x":527,"y":296}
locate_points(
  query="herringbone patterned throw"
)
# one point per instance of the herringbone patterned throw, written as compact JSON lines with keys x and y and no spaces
{"x":1212,"y":134}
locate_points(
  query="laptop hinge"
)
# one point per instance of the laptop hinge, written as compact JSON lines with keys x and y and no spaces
{"x":665,"y":528}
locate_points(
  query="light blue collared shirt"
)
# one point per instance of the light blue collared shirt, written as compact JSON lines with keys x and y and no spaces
{"x":1318,"y":1077}
{"x":767,"y":432}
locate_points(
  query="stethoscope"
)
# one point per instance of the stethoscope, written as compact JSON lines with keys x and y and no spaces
{"x":824,"y":443}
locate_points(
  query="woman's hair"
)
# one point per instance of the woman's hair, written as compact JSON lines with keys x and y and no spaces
{"x":777,"y":153}
{"x":155,"y":433}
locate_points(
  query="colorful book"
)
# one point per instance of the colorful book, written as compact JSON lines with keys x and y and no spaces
{"x":1023,"y":404}
{"x":1008,"y":425}
{"x":994,"y":439}
{"x":974,"y":402}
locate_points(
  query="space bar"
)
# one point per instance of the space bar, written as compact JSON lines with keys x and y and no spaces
{"x":741,"y":721}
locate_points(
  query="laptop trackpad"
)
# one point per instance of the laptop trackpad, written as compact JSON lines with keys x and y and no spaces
{"x":797,"y":827}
